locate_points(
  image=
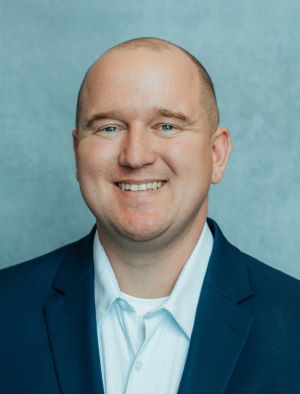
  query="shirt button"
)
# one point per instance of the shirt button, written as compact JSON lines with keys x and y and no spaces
{"x":138,"y":365}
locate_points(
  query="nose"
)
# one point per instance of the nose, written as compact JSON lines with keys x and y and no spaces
{"x":137,"y":149}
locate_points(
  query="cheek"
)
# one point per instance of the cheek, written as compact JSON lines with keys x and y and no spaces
{"x":190,"y":158}
{"x":95,"y":157}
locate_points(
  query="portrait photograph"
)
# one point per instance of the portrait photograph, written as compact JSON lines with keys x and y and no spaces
{"x":149,"y":197}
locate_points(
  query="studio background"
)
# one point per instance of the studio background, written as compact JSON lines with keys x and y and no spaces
{"x":251,"y":50}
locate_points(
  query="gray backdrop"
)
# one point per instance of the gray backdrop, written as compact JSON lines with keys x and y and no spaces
{"x":251,"y":49}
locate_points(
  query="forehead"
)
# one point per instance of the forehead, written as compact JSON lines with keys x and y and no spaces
{"x":141,"y":78}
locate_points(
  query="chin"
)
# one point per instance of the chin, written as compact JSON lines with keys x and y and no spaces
{"x":141,"y":235}
{"x":141,"y":232}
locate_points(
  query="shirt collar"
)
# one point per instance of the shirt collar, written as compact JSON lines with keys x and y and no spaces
{"x":107,"y":288}
{"x":183,"y":300}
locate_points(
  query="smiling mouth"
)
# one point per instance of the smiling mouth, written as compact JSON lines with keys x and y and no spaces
{"x":137,"y":187}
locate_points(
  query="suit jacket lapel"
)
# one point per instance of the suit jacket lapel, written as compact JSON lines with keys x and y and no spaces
{"x":71,"y":323}
{"x":221,"y":327}
{"x":220,"y":330}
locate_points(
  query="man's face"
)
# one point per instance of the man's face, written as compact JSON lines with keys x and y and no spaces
{"x":144,"y":127}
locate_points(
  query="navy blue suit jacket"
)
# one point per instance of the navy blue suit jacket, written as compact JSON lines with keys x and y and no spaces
{"x":245,"y":340}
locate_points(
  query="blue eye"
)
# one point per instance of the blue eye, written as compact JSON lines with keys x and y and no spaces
{"x":167,"y":127}
{"x":110,"y":129}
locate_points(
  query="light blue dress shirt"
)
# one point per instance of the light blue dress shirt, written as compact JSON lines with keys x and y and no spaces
{"x":143,"y":343}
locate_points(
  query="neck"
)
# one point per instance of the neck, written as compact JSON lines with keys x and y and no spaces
{"x":150,"y":272}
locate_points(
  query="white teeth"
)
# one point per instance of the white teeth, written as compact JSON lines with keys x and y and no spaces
{"x":141,"y":186}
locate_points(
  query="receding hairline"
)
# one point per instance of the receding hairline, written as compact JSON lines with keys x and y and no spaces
{"x":158,"y":44}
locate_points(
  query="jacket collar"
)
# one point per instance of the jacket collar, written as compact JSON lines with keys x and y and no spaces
{"x":227,"y":271}
{"x":221,"y":327}
{"x":219,"y":334}
{"x":71,"y":322}
{"x":77,"y":264}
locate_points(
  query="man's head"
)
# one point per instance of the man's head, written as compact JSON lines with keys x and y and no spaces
{"x":207,"y":91}
{"x":147,"y":143}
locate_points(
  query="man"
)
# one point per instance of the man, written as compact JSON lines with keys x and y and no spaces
{"x":154,"y":299}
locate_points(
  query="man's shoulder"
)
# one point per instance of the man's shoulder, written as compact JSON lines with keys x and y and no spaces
{"x":265,"y":280}
{"x":273,"y":289}
{"x":267,"y":274}
{"x":38,"y":272}
{"x":264,"y":270}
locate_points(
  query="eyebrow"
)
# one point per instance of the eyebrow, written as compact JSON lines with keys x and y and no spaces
{"x":100,"y":116}
{"x":163,"y":112}
{"x":167,"y":113}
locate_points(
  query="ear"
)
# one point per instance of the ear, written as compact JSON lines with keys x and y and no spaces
{"x":75,"y":149}
{"x":220,"y":147}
